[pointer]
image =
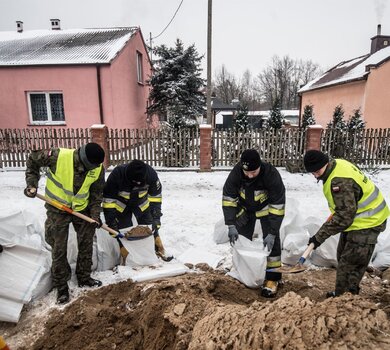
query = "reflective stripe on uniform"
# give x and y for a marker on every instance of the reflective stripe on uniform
(109, 203)
(229, 201)
(260, 196)
(274, 261)
(276, 209)
(262, 212)
(124, 194)
(144, 205)
(155, 199)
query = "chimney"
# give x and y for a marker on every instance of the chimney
(55, 24)
(379, 41)
(19, 26)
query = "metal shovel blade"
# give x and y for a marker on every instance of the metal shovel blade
(289, 269)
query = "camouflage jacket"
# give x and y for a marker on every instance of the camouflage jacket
(48, 159)
(346, 194)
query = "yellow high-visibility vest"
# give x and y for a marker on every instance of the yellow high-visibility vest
(372, 208)
(59, 185)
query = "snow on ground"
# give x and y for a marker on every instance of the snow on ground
(191, 208)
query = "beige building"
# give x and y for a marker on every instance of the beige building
(362, 82)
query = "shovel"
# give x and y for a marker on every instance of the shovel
(124, 252)
(299, 266)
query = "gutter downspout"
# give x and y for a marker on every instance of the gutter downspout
(99, 86)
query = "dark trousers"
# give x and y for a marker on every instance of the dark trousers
(56, 235)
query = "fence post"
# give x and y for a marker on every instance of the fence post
(99, 135)
(313, 137)
(205, 147)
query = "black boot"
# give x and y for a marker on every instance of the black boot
(62, 295)
(331, 294)
(90, 282)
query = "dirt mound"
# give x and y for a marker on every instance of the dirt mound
(209, 310)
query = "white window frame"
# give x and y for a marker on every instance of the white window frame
(49, 120)
(140, 68)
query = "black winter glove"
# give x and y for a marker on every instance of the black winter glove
(314, 241)
(30, 191)
(233, 234)
(1, 248)
(97, 224)
(269, 241)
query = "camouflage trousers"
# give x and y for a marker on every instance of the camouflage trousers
(56, 235)
(354, 252)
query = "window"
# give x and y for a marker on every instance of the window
(46, 107)
(140, 73)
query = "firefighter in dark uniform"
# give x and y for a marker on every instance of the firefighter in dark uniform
(75, 178)
(134, 188)
(359, 213)
(255, 190)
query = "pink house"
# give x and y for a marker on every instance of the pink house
(74, 78)
(361, 82)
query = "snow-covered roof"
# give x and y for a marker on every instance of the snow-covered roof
(348, 71)
(72, 46)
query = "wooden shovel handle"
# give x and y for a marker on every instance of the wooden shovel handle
(306, 253)
(60, 206)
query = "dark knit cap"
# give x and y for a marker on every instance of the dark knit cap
(136, 171)
(314, 160)
(250, 160)
(91, 155)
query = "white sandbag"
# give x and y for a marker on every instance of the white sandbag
(141, 274)
(381, 255)
(141, 251)
(198, 255)
(10, 310)
(221, 232)
(107, 251)
(326, 254)
(28, 264)
(293, 247)
(249, 262)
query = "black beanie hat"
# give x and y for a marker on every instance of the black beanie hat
(136, 171)
(250, 160)
(91, 155)
(314, 160)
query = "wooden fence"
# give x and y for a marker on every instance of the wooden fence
(16, 144)
(274, 146)
(157, 147)
(367, 147)
(171, 148)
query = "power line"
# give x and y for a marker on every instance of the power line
(169, 21)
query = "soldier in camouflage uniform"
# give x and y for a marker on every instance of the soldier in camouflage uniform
(359, 213)
(75, 178)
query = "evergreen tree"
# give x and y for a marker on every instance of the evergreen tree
(338, 121)
(308, 116)
(176, 85)
(276, 117)
(355, 122)
(241, 120)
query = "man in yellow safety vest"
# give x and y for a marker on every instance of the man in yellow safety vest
(75, 178)
(359, 213)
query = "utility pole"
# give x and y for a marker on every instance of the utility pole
(208, 96)
(150, 45)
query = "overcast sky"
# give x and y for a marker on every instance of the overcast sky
(246, 33)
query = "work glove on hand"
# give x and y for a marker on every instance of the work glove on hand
(97, 224)
(269, 241)
(30, 191)
(233, 234)
(314, 241)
